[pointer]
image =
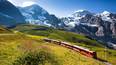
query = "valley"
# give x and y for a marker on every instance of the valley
(31, 34)
(17, 47)
(103, 52)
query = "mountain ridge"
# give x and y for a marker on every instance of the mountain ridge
(9, 11)
(35, 14)
(100, 26)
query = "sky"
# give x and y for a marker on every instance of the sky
(66, 7)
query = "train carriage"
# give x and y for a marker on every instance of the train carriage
(76, 48)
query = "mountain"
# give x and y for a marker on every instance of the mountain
(100, 26)
(9, 14)
(35, 14)
(107, 16)
(80, 13)
(6, 20)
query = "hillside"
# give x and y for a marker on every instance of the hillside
(57, 34)
(102, 52)
(19, 49)
(4, 30)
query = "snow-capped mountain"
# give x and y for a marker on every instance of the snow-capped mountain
(79, 17)
(107, 16)
(9, 14)
(80, 14)
(75, 18)
(35, 14)
(100, 26)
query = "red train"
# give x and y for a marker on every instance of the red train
(79, 49)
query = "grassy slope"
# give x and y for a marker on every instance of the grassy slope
(105, 54)
(18, 49)
(4, 30)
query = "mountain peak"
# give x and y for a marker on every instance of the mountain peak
(105, 16)
(35, 5)
(106, 13)
(36, 9)
(81, 13)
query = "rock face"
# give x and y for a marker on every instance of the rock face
(35, 14)
(113, 28)
(100, 26)
(9, 13)
(100, 31)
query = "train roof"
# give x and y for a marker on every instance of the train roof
(71, 45)
(82, 48)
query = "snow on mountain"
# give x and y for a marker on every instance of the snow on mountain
(80, 14)
(76, 18)
(105, 13)
(105, 16)
(81, 21)
(91, 25)
(89, 19)
(94, 25)
(35, 14)
(70, 21)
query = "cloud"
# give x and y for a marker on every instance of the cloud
(22, 3)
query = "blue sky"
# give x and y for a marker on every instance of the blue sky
(67, 7)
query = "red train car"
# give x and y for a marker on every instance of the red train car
(76, 48)
(85, 51)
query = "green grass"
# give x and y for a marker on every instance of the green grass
(56, 34)
(21, 49)
(73, 38)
